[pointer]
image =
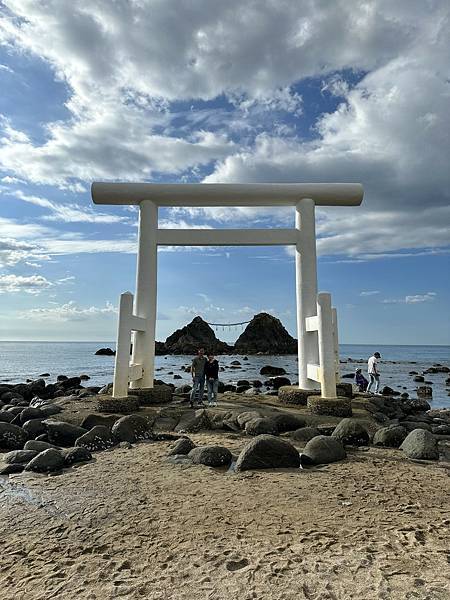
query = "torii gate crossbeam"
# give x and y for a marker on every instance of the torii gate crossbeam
(316, 320)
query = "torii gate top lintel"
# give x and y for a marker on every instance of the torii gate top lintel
(228, 194)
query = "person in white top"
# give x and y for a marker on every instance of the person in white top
(374, 373)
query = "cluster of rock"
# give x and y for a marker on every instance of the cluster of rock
(264, 334)
(46, 445)
(409, 413)
(21, 394)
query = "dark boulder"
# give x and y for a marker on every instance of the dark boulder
(98, 438)
(388, 391)
(240, 389)
(133, 428)
(8, 397)
(38, 445)
(182, 389)
(441, 429)
(268, 452)
(265, 334)
(12, 437)
(210, 456)
(420, 444)
(271, 370)
(288, 422)
(277, 382)
(21, 457)
(35, 427)
(249, 415)
(10, 469)
(437, 369)
(191, 422)
(75, 455)
(91, 421)
(425, 391)
(70, 383)
(197, 334)
(411, 425)
(350, 432)
(46, 461)
(31, 413)
(105, 352)
(323, 450)
(304, 434)
(390, 437)
(260, 426)
(6, 416)
(419, 378)
(344, 390)
(62, 433)
(49, 410)
(229, 387)
(182, 446)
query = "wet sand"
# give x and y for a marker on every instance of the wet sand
(132, 525)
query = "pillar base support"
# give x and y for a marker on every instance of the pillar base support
(291, 394)
(336, 407)
(122, 405)
(159, 394)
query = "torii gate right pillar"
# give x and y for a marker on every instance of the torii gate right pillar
(306, 289)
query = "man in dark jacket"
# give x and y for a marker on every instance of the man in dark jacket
(212, 379)
(198, 376)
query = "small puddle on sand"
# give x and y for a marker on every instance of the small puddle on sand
(16, 491)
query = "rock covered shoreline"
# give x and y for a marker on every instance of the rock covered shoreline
(47, 427)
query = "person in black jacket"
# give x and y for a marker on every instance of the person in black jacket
(212, 379)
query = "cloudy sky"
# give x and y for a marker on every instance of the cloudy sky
(235, 91)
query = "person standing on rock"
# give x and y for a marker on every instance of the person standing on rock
(212, 379)
(198, 376)
(374, 373)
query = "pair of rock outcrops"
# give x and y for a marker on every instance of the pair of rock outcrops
(264, 334)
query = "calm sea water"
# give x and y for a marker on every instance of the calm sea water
(22, 360)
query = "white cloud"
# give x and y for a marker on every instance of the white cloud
(69, 312)
(414, 299)
(33, 284)
(369, 293)
(13, 252)
(6, 69)
(389, 132)
(69, 213)
(112, 143)
(428, 297)
(7, 179)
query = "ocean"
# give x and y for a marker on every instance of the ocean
(22, 360)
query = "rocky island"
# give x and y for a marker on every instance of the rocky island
(264, 334)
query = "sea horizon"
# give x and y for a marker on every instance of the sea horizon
(21, 360)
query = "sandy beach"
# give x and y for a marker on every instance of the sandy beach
(131, 524)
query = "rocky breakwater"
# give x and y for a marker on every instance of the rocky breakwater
(265, 334)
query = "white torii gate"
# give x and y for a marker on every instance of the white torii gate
(318, 359)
